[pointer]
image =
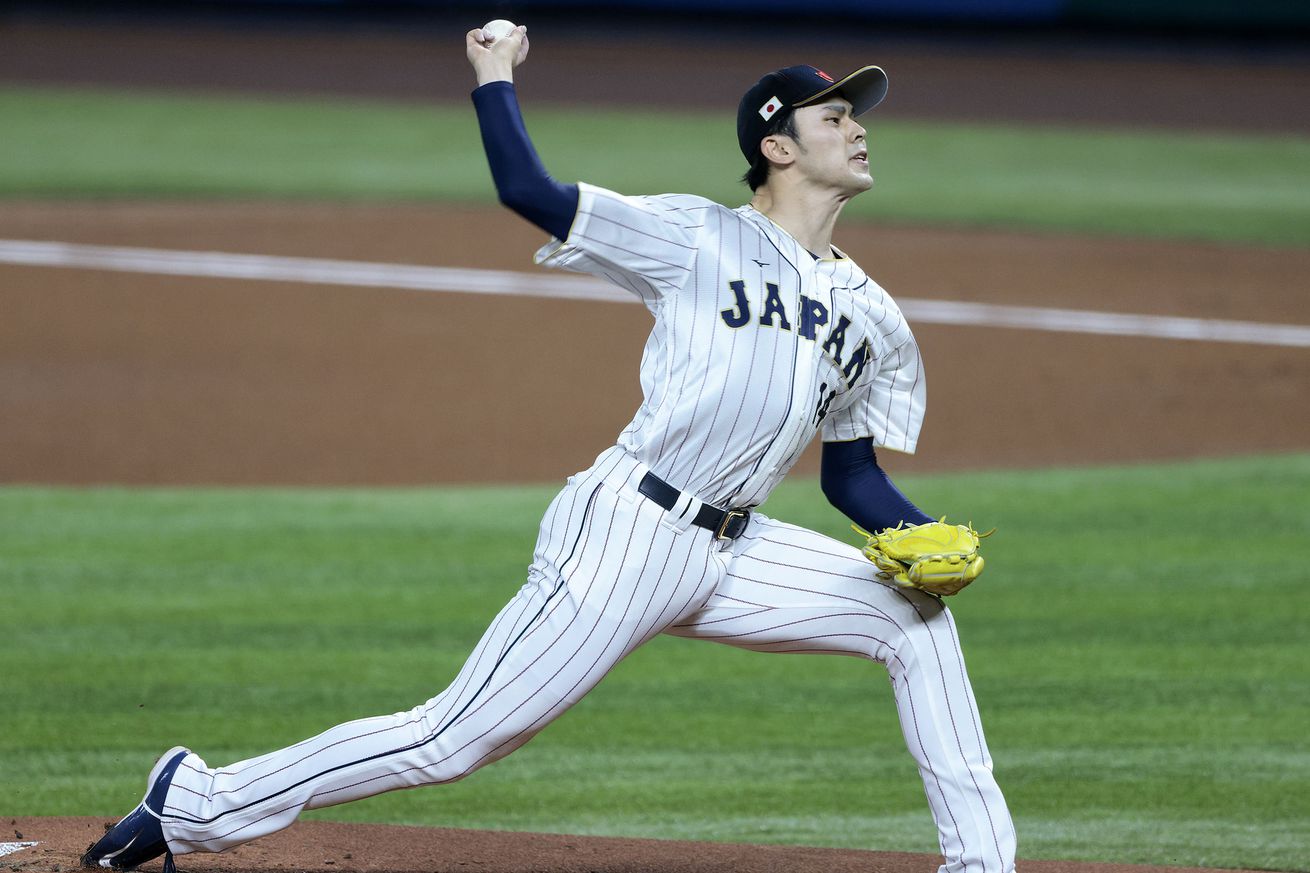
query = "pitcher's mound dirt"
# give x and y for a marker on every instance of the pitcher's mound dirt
(326, 847)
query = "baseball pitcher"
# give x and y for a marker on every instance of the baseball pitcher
(763, 336)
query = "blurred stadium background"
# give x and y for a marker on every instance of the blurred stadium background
(282, 128)
(239, 245)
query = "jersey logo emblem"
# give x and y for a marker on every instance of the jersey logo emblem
(813, 315)
(770, 109)
(761, 263)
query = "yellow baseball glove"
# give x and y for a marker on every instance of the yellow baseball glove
(937, 557)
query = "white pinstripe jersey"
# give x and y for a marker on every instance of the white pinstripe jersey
(757, 346)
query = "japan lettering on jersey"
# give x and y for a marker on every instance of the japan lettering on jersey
(757, 345)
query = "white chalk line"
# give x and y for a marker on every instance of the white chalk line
(10, 848)
(323, 271)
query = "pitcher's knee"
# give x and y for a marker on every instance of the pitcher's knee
(872, 636)
(897, 635)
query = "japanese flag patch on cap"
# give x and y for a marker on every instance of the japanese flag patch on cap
(802, 85)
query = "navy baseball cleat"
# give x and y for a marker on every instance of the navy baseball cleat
(139, 837)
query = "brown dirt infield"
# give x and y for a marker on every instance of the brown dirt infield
(128, 378)
(147, 379)
(324, 847)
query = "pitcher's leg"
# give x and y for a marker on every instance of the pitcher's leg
(791, 590)
(209, 810)
(946, 739)
(614, 580)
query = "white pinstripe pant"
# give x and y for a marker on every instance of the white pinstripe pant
(610, 572)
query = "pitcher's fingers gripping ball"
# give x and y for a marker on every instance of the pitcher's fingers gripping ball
(494, 30)
(498, 38)
(937, 558)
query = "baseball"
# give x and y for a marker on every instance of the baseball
(494, 30)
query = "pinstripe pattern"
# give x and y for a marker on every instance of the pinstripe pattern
(790, 590)
(727, 410)
(609, 574)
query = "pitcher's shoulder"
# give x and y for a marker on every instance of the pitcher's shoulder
(684, 202)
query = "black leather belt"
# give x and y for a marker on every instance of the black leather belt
(727, 524)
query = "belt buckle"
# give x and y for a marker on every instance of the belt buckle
(722, 533)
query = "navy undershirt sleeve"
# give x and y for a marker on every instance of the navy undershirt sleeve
(854, 483)
(521, 180)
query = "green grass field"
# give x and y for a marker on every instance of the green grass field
(71, 143)
(1138, 646)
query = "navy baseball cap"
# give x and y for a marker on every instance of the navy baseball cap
(793, 87)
